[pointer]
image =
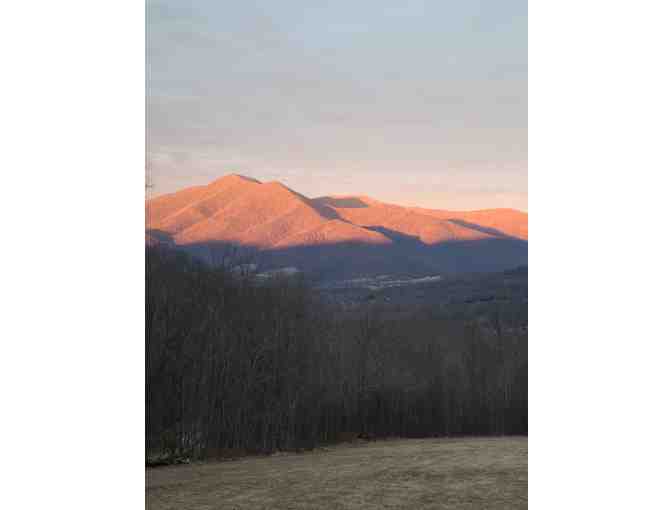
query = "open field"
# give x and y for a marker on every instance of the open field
(482, 473)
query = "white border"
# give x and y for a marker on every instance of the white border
(600, 257)
(72, 160)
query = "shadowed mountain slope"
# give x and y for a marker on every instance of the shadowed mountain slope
(503, 221)
(427, 228)
(333, 236)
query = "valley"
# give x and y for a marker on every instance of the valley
(475, 289)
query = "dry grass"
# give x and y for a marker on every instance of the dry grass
(410, 474)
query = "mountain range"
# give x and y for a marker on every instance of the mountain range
(332, 237)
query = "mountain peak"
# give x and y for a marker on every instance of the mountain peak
(348, 234)
(230, 178)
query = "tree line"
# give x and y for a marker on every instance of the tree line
(236, 365)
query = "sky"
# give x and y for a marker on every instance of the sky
(411, 102)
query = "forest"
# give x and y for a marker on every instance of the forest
(235, 365)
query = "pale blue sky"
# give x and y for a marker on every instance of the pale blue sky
(413, 102)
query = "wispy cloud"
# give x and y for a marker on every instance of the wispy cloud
(341, 94)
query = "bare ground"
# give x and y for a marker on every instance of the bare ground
(488, 473)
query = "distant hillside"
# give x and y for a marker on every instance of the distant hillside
(505, 221)
(332, 237)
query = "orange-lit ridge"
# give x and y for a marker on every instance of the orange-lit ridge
(270, 215)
